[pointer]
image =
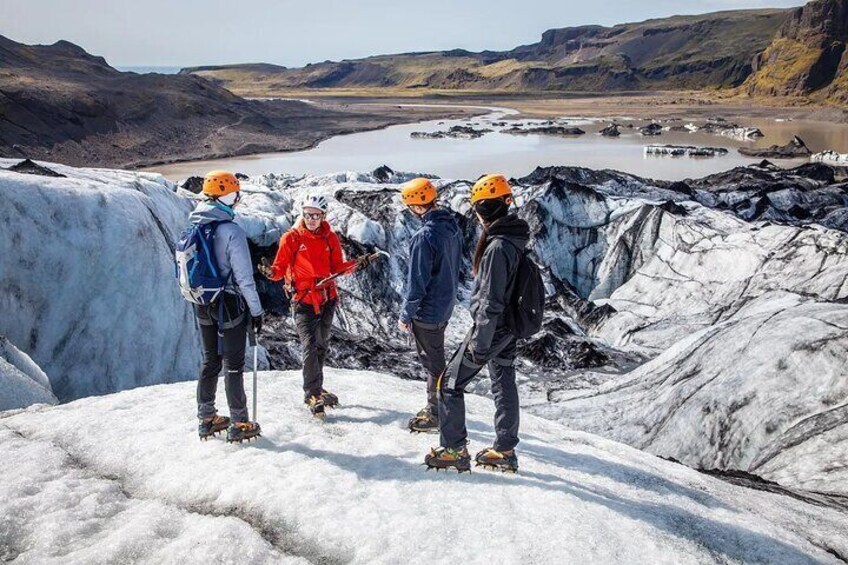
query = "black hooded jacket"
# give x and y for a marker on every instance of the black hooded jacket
(507, 238)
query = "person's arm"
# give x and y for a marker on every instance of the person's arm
(284, 257)
(418, 277)
(337, 262)
(242, 269)
(494, 280)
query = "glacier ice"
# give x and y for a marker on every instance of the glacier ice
(22, 382)
(348, 490)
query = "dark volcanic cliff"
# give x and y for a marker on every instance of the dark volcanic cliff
(807, 55)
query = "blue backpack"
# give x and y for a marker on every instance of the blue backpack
(197, 270)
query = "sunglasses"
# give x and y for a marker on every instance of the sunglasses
(313, 216)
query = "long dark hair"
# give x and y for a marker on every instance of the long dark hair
(480, 249)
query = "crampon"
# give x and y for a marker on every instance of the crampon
(447, 458)
(212, 427)
(243, 431)
(423, 422)
(316, 406)
(490, 458)
(330, 399)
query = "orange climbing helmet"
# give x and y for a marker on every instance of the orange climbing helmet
(489, 187)
(418, 192)
(220, 183)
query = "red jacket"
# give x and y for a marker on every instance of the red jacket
(304, 258)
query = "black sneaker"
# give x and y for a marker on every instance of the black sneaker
(316, 406)
(330, 399)
(492, 459)
(423, 422)
(243, 431)
(447, 458)
(212, 426)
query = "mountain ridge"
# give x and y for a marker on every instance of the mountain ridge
(60, 103)
(700, 51)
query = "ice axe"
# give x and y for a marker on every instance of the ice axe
(371, 257)
(254, 343)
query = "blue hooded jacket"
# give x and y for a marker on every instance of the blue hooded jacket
(231, 252)
(435, 260)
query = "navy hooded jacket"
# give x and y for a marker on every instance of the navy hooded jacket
(435, 259)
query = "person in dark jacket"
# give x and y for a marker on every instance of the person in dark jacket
(435, 259)
(223, 325)
(490, 341)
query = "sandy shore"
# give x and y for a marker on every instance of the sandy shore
(637, 105)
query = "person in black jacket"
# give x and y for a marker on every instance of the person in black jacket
(501, 245)
(435, 259)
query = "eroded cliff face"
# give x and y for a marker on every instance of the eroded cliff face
(808, 54)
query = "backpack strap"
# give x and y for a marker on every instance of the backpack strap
(222, 326)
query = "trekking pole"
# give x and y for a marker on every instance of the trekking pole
(255, 344)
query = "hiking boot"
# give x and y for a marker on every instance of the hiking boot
(212, 426)
(330, 399)
(490, 458)
(448, 458)
(241, 431)
(424, 422)
(316, 406)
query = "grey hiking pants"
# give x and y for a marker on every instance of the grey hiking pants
(314, 332)
(230, 357)
(459, 374)
(430, 345)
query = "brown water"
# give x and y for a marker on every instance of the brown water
(518, 155)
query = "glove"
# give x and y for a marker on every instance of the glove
(256, 321)
(363, 261)
(265, 269)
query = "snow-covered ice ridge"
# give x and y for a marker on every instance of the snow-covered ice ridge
(709, 279)
(353, 490)
(22, 382)
(86, 279)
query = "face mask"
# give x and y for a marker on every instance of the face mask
(491, 210)
(230, 199)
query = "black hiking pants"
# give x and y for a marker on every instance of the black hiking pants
(430, 345)
(459, 374)
(226, 353)
(314, 332)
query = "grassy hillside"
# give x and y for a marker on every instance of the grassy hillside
(808, 55)
(681, 52)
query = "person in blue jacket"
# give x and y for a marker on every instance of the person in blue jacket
(223, 325)
(435, 260)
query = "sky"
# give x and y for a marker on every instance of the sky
(293, 33)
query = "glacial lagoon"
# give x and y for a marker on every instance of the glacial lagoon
(518, 155)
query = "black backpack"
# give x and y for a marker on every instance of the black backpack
(527, 305)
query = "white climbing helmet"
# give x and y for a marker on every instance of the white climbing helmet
(315, 201)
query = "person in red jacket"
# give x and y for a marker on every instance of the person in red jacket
(309, 253)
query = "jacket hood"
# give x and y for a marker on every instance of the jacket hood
(437, 215)
(208, 212)
(511, 227)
